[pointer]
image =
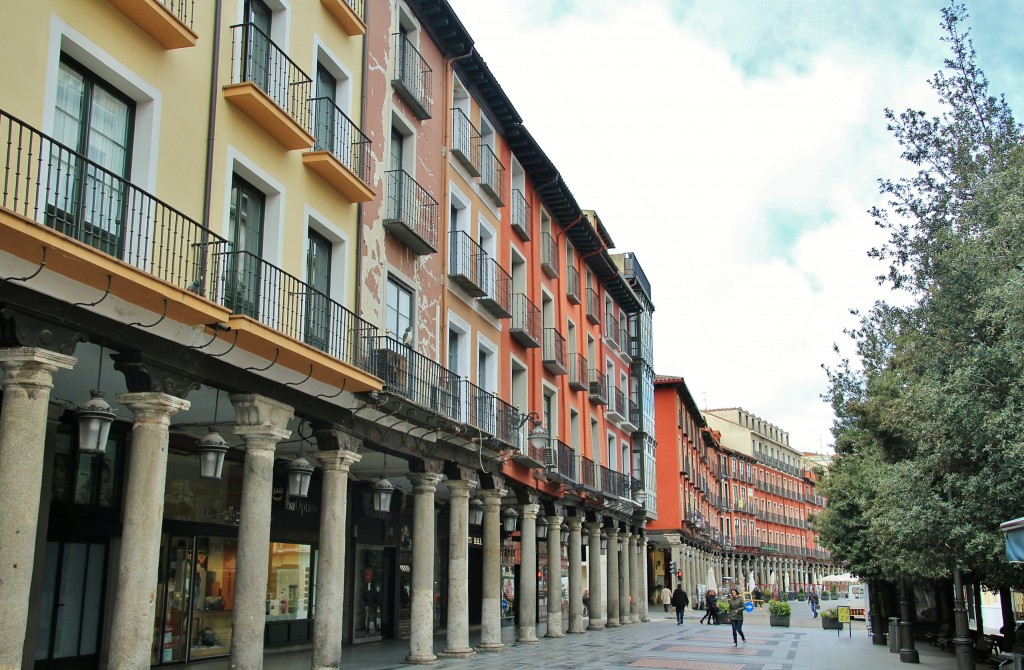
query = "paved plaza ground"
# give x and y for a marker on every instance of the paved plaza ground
(658, 644)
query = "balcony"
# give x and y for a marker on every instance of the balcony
(349, 14)
(587, 474)
(342, 152)
(492, 175)
(611, 330)
(572, 284)
(624, 339)
(411, 214)
(565, 469)
(412, 78)
(169, 22)
(630, 416)
(465, 142)
(579, 379)
(269, 87)
(616, 410)
(497, 285)
(598, 387)
(554, 352)
(101, 230)
(413, 376)
(525, 321)
(593, 307)
(613, 483)
(465, 258)
(549, 255)
(522, 215)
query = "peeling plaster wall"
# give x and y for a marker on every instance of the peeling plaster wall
(382, 253)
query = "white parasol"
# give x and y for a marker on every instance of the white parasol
(751, 584)
(712, 584)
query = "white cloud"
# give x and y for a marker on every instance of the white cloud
(743, 190)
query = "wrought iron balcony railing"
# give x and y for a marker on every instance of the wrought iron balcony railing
(465, 260)
(579, 379)
(623, 339)
(525, 321)
(554, 352)
(572, 284)
(497, 287)
(183, 10)
(588, 476)
(593, 307)
(481, 409)
(614, 483)
(411, 214)
(413, 376)
(548, 255)
(566, 461)
(492, 175)
(255, 288)
(598, 387)
(338, 134)
(611, 329)
(522, 215)
(46, 182)
(465, 142)
(412, 77)
(616, 404)
(256, 59)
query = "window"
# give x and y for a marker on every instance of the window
(97, 122)
(244, 270)
(318, 276)
(398, 313)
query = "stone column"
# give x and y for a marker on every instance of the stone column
(613, 577)
(262, 423)
(633, 583)
(527, 596)
(575, 523)
(624, 600)
(643, 570)
(458, 571)
(139, 567)
(27, 381)
(594, 567)
(554, 577)
(490, 610)
(421, 639)
(328, 625)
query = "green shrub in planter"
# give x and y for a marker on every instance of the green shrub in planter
(779, 608)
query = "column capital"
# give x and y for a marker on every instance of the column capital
(336, 439)
(153, 404)
(593, 526)
(554, 523)
(530, 510)
(491, 496)
(424, 482)
(31, 367)
(574, 522)
(612, 532)
(337, 460)
(260, 420)
(459, 487)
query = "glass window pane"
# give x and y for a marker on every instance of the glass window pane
(288, 581)
(89, 640)
(69, 608)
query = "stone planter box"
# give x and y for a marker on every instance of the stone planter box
(723, 618)
(779, 621)
(830, 623)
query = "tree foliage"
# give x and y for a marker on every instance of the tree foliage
(929, 432)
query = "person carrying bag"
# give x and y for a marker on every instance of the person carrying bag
(680, 601)
(736, 608)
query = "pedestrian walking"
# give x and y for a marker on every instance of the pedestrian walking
(813, 599)
(586, 602)
(710, 608)
(665, 595)
(680, 601)
(736, 608)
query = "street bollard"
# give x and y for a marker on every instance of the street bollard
(894, 635)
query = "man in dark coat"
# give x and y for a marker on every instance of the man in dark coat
(680, 601)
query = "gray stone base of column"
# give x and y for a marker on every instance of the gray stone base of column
(909, 656)
(458, 653)
(427, 659)
(645, 619)
(491, 647)
(612, 624)
(527, 640)
(596, 626)
(576, 632)
(557, 635)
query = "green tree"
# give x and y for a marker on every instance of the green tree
(932, 406)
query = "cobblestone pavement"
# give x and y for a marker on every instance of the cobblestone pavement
(657, 644)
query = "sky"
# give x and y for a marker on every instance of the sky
(735, 147)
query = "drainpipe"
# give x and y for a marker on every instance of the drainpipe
(357, 304)
(211, 130)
